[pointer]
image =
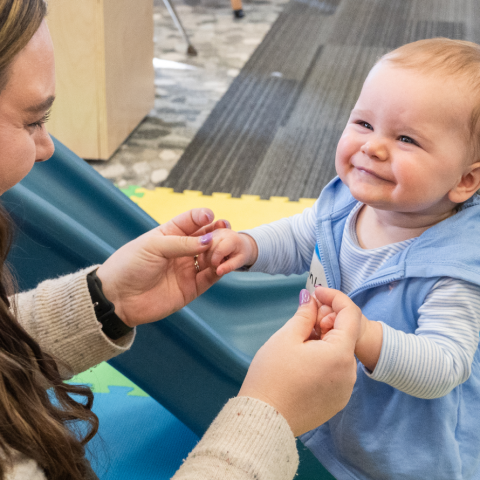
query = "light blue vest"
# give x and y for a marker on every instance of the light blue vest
(384, 433)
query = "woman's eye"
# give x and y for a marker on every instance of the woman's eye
(40, 122)
(405, 139)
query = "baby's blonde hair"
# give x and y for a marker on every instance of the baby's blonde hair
(453, 58)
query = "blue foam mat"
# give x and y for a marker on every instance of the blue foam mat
(138, 438)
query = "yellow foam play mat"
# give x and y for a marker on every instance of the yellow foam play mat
(245, 212)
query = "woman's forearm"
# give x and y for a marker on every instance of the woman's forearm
(249, 439)
(59, 315)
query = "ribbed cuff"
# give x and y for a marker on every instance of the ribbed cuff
(386, 365)
(264, 244)
(66, 324)
(248, 439)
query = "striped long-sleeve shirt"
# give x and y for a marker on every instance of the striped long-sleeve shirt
(427, 364)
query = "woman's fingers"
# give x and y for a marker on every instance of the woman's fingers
(300, 326)
(173, 246)
(306, 381)
(348, 315)
(205, 279)
(332, 298)
(188, 223)
(212, 227)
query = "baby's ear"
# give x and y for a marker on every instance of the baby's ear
(468, 184)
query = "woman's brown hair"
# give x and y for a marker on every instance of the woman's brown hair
(38, 416)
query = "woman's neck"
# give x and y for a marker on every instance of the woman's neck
(376, 228)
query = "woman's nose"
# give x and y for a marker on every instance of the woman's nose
(375, 149)
(44, 146)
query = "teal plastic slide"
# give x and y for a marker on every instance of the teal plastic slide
(69, 217)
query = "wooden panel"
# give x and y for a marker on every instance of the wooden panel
(128, 66)
(74, 119)
(103, 51)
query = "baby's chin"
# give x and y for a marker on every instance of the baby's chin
(368, 197)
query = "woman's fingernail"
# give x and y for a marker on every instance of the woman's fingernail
(227, 224)
(304, 297)
(209, 215)
(318, 285)
(206, 239)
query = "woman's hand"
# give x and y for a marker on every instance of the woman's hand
(155, 275)
(308, 381)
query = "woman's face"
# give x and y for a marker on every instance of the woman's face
(24, 106)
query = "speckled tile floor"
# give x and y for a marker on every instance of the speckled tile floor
(185, 97)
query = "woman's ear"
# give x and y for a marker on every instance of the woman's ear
(467, 186)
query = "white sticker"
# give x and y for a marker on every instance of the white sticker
(316, 275)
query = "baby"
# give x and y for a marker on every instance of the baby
(398, 231)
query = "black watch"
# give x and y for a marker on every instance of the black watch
(112, 326)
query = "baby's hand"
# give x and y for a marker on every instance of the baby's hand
(325, 320)
(370, 334)
(231, 250)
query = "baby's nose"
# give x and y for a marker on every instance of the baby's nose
(375, 149)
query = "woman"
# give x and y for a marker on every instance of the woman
(39, 434)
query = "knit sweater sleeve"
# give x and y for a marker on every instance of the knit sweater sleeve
(59, 315)
(248, 440)
(286, 246)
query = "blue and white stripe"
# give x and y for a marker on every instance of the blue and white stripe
(438, 357)
(286, 246)
(427, 364)
(358, 264)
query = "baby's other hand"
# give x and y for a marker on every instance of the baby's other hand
(230, 250)
(325, 320)
(329, 300)
(370, 333)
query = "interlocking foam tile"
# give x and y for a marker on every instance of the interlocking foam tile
(246, 212)
(137, 439)
(103, 376)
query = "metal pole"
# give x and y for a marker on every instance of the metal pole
(171, 10)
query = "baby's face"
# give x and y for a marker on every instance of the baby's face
(406, 143)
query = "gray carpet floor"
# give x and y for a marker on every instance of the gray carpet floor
(275, 131)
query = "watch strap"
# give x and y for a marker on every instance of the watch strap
(111, 323)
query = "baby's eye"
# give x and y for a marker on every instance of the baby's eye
(364, 124)
(405, 139)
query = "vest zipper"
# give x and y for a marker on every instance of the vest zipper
(374, 284)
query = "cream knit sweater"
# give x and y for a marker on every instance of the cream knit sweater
(248, 440)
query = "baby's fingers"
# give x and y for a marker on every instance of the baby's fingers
(322, 312)
(327, 323)
(227, 251)
(230, 264)
(222, 249)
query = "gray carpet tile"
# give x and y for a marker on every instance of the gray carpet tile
(275, 131)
